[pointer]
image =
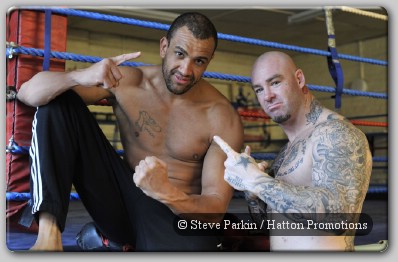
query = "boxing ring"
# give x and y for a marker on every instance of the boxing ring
(26, 56)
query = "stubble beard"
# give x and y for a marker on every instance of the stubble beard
(281, 119)
(169, 83)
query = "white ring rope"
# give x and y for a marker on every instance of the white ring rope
(362, 12)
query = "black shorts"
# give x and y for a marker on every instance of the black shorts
(68, 147)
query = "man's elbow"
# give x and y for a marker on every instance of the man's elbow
(27, 98)
(218, 213)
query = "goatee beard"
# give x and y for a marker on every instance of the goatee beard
(281, 119)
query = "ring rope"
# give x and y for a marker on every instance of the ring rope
(363, 13)
(93, 59)
(348, 91)
(368, 123)
(228, 37)
(16, 196)
(10, 51)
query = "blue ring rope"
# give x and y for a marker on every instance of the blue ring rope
(228, 37)
(17, 196)
(215, 75)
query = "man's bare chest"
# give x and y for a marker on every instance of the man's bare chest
(181, 135)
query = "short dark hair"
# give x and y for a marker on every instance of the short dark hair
(200, 26)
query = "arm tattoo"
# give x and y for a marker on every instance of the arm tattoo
(257, 209)
(340, 174)
(342, 163)
(147, 123)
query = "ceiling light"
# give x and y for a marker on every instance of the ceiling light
(304, 16)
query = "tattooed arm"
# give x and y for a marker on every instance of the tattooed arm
(341, 168)
(340, 173)
(257, 208)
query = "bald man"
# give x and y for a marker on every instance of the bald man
(324, 168)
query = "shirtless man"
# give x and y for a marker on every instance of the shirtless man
(324, 168)
(167, 116)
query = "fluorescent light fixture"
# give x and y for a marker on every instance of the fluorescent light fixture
(304, 16)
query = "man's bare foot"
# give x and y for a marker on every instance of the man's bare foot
(49, 237)
(45, 247)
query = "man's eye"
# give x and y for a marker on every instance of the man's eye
(258, 90)
(275, 83)
(200, 62)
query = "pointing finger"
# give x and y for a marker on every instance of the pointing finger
(125, 57)
(224, 146)
(248, 150)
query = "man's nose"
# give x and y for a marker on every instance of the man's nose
(268, 94)
(186, 68)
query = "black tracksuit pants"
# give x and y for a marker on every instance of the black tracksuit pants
(68, 147)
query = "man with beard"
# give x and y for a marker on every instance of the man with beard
(171, 168)
(324, 169)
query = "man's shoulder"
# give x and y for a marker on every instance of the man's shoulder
(147, 69)
(135, 77)
(335, 120)
(220, 105)
(339, 128)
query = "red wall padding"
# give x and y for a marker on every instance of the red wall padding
(26, 28)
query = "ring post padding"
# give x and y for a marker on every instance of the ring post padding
(25, 28)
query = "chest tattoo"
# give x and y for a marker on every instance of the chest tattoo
(292, 158)
(146, 123)
(277, 162)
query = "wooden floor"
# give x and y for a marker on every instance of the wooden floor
(17, 241)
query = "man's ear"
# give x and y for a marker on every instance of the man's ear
(300, 78)
(163, 46)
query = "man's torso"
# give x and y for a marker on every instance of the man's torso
(178, 131)
(294, 165)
